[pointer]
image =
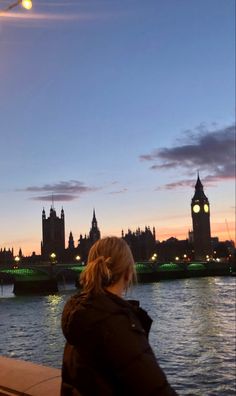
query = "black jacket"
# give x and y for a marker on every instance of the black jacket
(107, 351)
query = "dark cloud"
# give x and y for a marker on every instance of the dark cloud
(61, 191)
(178, 184)
(72, 187)
(211, 152)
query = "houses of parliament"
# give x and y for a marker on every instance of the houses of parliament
(199, 246)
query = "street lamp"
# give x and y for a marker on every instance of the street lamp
(17, 260)
(154, 257)
(53, 258)
(27, 4)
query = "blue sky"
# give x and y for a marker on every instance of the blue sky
(116, 105)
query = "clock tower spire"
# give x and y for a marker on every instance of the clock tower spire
(200, 210)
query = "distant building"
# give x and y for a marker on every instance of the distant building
(53, 230)
(142, 243)
(71, 244)
(200, 210)
(94, 233)
(6, 256)
(86, 242)
(223, 250)
(173, 250)
(80, 252)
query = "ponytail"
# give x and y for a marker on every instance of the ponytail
(109, 258)
(96, 275)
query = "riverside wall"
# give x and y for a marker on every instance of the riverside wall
(21, 378)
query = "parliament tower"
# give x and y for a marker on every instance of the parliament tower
(200, 209)
(53, 230)
(94, 233)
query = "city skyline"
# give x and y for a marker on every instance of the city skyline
(116, 108)
(59, 209)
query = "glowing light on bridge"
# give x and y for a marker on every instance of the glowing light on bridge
(27, 4)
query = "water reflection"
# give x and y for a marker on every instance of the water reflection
(54, 299)
(193, 332)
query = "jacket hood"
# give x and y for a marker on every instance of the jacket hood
(81, 313)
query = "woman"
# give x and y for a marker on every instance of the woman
(107, 351)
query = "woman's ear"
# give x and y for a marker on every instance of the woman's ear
(128, 275)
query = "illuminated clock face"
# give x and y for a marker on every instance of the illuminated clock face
(196, 208)
(206, 208)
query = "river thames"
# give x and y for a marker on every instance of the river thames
(193, 331)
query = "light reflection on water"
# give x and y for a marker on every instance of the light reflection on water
(193, 332)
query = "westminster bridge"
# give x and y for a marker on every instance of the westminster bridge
(44, 277)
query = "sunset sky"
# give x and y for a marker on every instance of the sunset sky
(116, 105)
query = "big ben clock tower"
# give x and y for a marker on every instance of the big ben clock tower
(200, 209)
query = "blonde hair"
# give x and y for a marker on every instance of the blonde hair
(109, 258)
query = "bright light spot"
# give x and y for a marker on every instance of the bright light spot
(177, 258)
(78, 258)
(54, 299)
(196, 208)
(27, 4)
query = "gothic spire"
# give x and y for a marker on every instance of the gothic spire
(199, 192)
(198, 185)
